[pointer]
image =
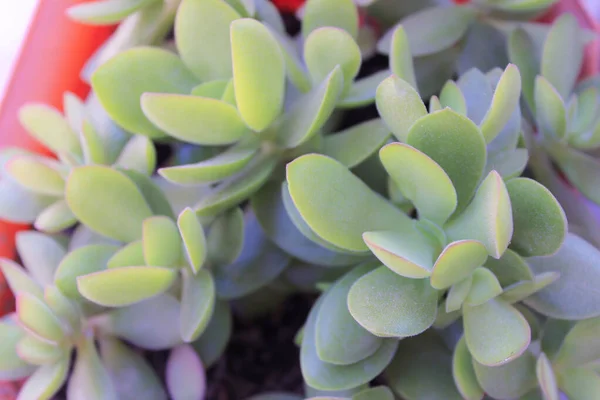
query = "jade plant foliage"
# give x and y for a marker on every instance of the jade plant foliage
(214, 172)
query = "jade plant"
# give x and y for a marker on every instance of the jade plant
(215, 172)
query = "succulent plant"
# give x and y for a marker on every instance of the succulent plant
(212, 175)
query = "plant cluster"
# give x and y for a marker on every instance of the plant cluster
(437, 267)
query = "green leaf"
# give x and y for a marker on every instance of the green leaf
(213, 169)
(505, 100)
(74, 110)
(324, 376)
(310, 111)
(509, 164)
(546, 378)
(259, 263)
(563, 54)
(212, 89)
(332, 201)
(395, 94)
(161, 242)
(401, 62)
(363, 91)
(327, 47)
(128, 255)
(478, 93)
(390, 305)
(341, 14)
(434, 104)
(194, 241)
(421, 369)
(215, 337)
(105, 12)
(36, 317)
(36, 174)
(354, 145)
(540, 224)
(237, 188)
(47, 124)
(90, 379)
(18, 280)
(553, 334)
(464, 373)
(38, 352)
(550, 109)
(46, 381)
(498, 323)
(510, 380)
(457, 295)
(107, 201)
(79, 262)
(433, 29)
(225, 239)
(152, 324)
(12, 366)
(510, 268)
(155, 196)
(55, 218)
(193, 119)
(579, 383)
(488, 218)
(185, 375)
(258, 73)
(565, 299)
(118, 287)
(202, 28)
(268, 13)
(521, 52)
(452, 97)
(455, 144)
(40, 254)
(20, 205)
(271, 213)
(122, 102)
(197, 303)
(339, 339)
(485, 286)
(408, 167)
(457, 262)
(295, 68)
(138, 154)
(131, 375)
(374, 393)
(580, 346)
(91, 144)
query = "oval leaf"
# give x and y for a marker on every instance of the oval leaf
(464, 373)
(197, 303)
(46, 381)
(192, 235)
(510, 380)
(336, 13)
(457, 262)
(161, 242)
(38, 318)
(186, 378)
(89, 379)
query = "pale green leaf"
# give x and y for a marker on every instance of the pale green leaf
(36, 174)
(457, 295)
(18, 280)
(46, 381)
(155, 196)
(48, 125)
(214, 339)
(212, 89)
(341, 14)
(193, 238)
(580, 346)
(55, 218)
(550, 109)
(457, 262)
(546, 378)
(401, 62)
(579, 383)
(510, 268)
(522, 53)
(39, 352)
(105, 12)
(40, 255)
(464, 373)
(509, 164)
(185, 375)
(12, 367)
(225, 239)
(90, 379)
(197, 303)
(363, 91)
(478, 93)
(484, 287)
(128, 255)
(138, 154)
(374, 393)
(510, 380)
(91, 144)
(161, 242)
(20, 205)
(36, 317)
(452, 97)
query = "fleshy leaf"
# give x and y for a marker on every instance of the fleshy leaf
(131, 254)
(546, 378)
(549, 109)
(197, 303)
(55, 218)
(509, 164)
(478, 93)
(225, 238)
(363, 90)
(105, 12)
(580, 346)
(510, 268)
(161, 242)
(354, 145)
(193, 119)
(155, 196)
(18, 280)
(495, 319)
(452, 97)
(11, 365)
(138, 154)
(579, 383)
(118, 287)
(194, 240)
(48, 125)
(327, 47)
(36, 174)
(455, 144)
(464, 373)
(38, 318)
(395, 94)
(408, 168)
(341, 14)
(324, 376)
(258, 73)
(374, 393)
(201, 28)
(122, 102)
(485, 286)
(488, 218)
(521, 290)
(131, 375)
(78, 262)
(20, 205)
(567, 298)
(457, 294)
(421, 369)
(310, 112)
(212, 89)
(107, 201)
(152, 324)
(40, 254)
(90, 379)
(259, 263)
(339, 339)
(510, 380)
(39, 352)
(522, 53)
(390, 305)
(332, 200)
(215, 337)
(46, 381)
(186, 378)
(401, 62)
(66, 310)
(456, 262)
(91, 144)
